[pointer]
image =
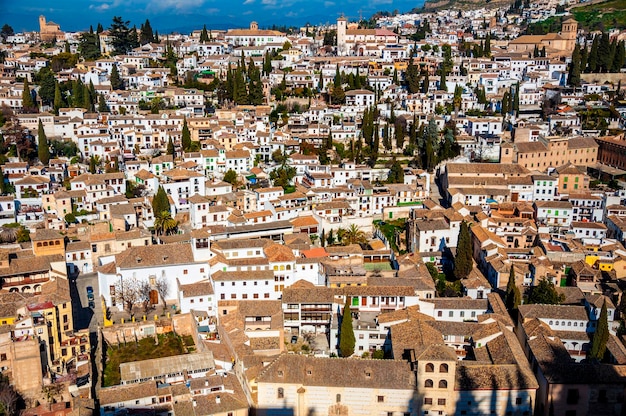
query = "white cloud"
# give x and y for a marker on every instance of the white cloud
(190, 6)
(269, 2)
(329, 3)
(248, 2)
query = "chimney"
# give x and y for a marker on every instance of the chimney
(194, 403)
(217, 399)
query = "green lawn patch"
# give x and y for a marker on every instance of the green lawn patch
(169, 345)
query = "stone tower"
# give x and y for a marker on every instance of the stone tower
(569, 32)
(342, 27)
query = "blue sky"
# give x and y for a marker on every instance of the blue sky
(185, 15)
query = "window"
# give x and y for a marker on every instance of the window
(428, 383)
(281, 393)
(441, 402)
(430, 368)
(338, 398)
(428, 400)
(380, 399)
(518, 400)
(443, 368)
(443, 384)
(572, 396)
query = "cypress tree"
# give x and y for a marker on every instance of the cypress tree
(573, 77)
(116, 80)
(43, 150)
(592, 60)
(102, 105)
(347, 340)
(170, 147)
(513, 296)
(443, 82)
(601, 336)
(146, 33)
(28, 105)
(58, 98)
(185, 137)
(204, 35)
(160, 202)
(463, 260)
(619, 56)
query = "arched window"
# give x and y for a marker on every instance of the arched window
(443, 368)
(338, 398)
(430, 368)
(289, 267)
(443, 384)
(282, 267)
(281, 393)
(428, 383)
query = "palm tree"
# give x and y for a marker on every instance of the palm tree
(354, 235)
(165, 224)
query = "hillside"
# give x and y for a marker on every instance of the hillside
(464, 4)
(601, 16)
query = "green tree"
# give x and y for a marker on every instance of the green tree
(347, 340)
(204, 35)
(231, 177)
(88, 46)
(353, 235)
(283, 175)
(545, 293)
(160, 202)
(601, 336)
(47, 82)
(42, 145)
(116, 80)
(463, 261)
(121, 36)
(330, 239)
(171, 150)
(23, 235)
(186, 137)
(432, 270)
(28, 105)
(412, 77)
(396, 172)
(6, 31)
(102, 104)
(337, 95)
(573, 78)
(513, 296)
(165, 224)
(146, 33)
(58, 99)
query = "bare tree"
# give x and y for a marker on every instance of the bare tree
(144, 290)
(9, 398)
(127, 293)
(163, 287)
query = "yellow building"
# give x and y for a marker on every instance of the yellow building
(48, 242)
(555, 43)
(49, 31)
